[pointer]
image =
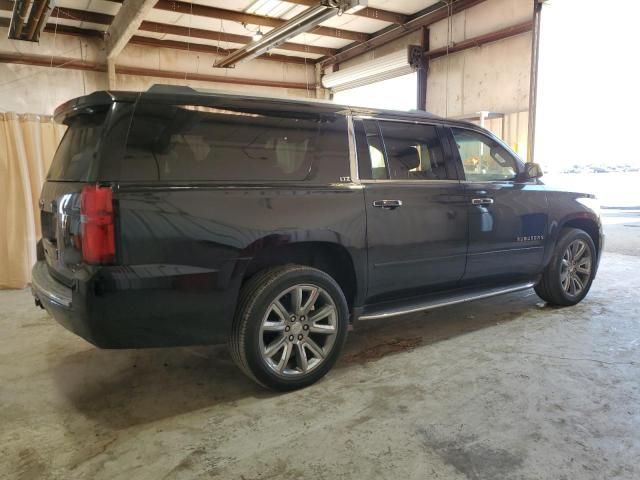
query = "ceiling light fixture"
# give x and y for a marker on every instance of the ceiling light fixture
(303, 22)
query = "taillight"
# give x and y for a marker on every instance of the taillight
(96, 210)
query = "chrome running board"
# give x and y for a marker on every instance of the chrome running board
(418, 305)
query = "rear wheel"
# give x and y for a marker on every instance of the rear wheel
(290, 326)
(568, 277)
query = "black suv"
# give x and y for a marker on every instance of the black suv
(176, 217)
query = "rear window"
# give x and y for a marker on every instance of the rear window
(209, 144)
(78, 150)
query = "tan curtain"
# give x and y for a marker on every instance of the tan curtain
(27, 145)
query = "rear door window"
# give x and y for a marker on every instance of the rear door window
(414, 152)
(184, 143)
(401, 151)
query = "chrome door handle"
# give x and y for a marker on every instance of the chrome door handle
(388, 204)
(481, 201)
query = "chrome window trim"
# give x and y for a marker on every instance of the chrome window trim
(427, 121)
(409, 181)
(488, 181)
(353, 151)
(395, 180)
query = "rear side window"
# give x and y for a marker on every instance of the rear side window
(207, 144)
(75, 158)
(414, 152)
(406, 151)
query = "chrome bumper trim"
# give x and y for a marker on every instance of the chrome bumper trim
(44, 285)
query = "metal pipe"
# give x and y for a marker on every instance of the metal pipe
(22, 15)
(298, 24)
(35, 18)
(41, 23)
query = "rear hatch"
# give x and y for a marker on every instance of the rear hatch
(96, 127)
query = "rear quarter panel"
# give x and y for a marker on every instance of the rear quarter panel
(189, 246)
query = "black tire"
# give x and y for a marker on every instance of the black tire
(550, 288)
(246, 339)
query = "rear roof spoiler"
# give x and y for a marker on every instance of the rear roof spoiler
(89, 102)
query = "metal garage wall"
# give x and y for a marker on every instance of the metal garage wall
(35, 89)
(493, 77)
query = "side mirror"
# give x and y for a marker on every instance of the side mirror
(531, 171)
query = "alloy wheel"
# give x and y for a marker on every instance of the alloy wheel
(575, 270)
(298, 330)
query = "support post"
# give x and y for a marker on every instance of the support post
(423, 70)
(124, 25)
(321, 92)
(111, 73)
(533, 80)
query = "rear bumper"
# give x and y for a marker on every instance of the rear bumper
(57, 299)
(117, 307)
(46, 288)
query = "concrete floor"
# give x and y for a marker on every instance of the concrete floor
(504, 388)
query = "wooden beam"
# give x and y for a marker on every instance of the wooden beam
(481, 39)
(242, 17)
(51, 62)
(75, 64)
(81, 15)
(125, 24)
(436, 12)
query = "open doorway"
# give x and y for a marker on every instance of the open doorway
(398, 93)
(587, 102)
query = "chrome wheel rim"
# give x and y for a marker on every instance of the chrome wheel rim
(298, 330)
(575, 271)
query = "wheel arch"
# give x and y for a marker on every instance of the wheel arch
(331, 257)
(589, 225)
(586, 222)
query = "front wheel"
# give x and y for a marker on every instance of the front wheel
(568, 277)
(290, 325)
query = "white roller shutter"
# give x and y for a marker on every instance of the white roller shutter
(388, 66)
